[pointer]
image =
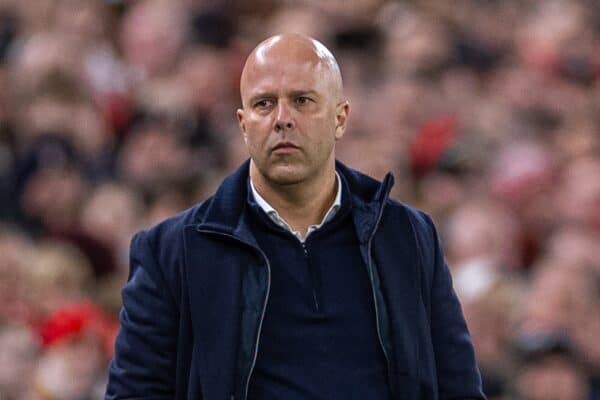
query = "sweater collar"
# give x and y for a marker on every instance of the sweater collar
(226, 210)
(278, 220)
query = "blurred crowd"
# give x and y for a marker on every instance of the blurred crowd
(117, 114)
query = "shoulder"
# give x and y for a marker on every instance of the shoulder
(169, 231)
(420, 226)
(419, 221)
(160, 248)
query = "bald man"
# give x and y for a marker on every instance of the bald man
(299, 278)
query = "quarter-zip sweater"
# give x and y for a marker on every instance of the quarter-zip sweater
(319, 337)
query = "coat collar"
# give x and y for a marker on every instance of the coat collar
(226, 209)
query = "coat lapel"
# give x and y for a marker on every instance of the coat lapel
(397, 261)
(396, 277)
(214, 282)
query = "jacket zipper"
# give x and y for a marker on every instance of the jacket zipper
(312, 274)
(262, 317)
(369, 245)
(264, 309)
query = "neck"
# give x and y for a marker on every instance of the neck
(301, 204)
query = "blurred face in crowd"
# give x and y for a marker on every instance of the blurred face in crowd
(152, 158)
(70, 370)
(18, 355)
(552, 377)
(152, 34)
(492, 237)
(293, 111)
(58, 273)
(54, 196)
(111, 212)
(557, 297)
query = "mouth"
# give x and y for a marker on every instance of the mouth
(285, 147)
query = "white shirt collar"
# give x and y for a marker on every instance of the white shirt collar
(275, 217)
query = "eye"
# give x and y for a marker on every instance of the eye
(263, 104)
(303, 100)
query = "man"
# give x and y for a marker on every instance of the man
(299, 278)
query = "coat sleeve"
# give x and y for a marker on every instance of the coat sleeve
(457, 373)
(145, 352)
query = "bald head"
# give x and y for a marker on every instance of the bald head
(296, 49)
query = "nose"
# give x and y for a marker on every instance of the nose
(284, 120)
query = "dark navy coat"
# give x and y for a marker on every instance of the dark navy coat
(198, 289)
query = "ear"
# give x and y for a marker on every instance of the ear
(240, 117)
(341, 118)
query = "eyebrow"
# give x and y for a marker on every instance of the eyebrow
(293, 93)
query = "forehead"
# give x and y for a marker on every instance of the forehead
(278, 75)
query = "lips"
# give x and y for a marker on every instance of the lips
(285, 146)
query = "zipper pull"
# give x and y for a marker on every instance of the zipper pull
(315, 300)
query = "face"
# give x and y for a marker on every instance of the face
(552, 377)
(292, 115)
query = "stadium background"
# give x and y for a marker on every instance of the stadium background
(116, 114)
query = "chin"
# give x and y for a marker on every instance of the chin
(286, 175)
